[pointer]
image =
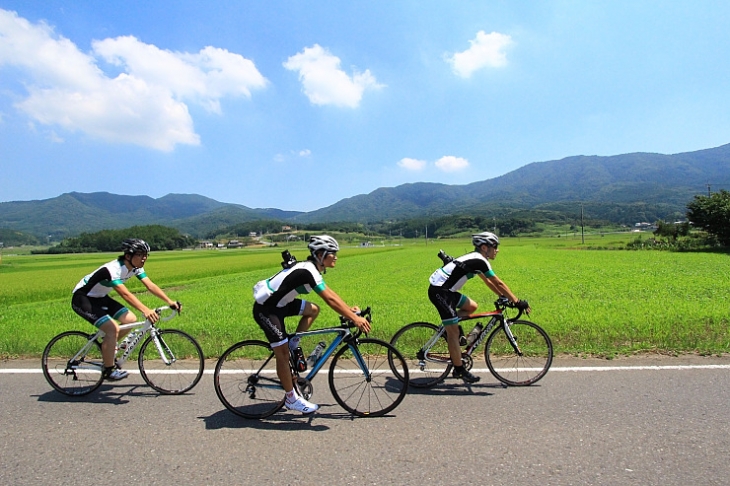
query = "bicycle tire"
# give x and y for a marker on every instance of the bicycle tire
(409, 341)
(72, 379)
(378, 392)
(514, 369)
(246, 382)
(182, 367)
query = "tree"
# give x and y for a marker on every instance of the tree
(712, 214)
(671, 230)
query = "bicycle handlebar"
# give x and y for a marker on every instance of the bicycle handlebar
(345, 322)
(503, 303)
(160, 310)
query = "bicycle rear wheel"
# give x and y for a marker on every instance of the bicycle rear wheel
(174, 367)
(73, 377)
(425, 371)
(368, 378)
(245, 380)
(526, 367)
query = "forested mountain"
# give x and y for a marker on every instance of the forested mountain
(623, 189)
(74, 213)
(619, 188)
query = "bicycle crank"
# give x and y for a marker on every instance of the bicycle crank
(305, 387)
(466, 361)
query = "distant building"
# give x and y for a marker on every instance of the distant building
(235, 244)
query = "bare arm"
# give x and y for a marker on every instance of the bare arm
(338, 305)
(124, 293)
(499, 287)
(157, 291)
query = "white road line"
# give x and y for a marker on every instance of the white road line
(554, 369)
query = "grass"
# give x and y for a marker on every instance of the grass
(602, 303)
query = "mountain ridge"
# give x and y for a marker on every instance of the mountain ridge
(617, 188)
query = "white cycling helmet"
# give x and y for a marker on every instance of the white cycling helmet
(323, 242)
(135, 245)
(485, 238)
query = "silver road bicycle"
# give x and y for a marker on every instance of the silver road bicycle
(170, 361)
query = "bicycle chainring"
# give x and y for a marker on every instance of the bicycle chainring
(467, 361)
(305, 387)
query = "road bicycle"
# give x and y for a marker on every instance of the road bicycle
(170, 361)
(517, 352)
(367, 377)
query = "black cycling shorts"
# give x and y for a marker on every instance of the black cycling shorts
(271, 320)
(446, 302)
(97, 310)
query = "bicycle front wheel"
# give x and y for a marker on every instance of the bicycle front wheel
(523, 366)
(69, 371)
(172, 363)
(368, 378)
(246, 382)
(427, 367)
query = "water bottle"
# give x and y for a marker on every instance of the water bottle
(316, 353)
(130, 340)
(474, 334)
(125, 342)
(299, 363)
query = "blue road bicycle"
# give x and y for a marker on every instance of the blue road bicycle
(367, 377)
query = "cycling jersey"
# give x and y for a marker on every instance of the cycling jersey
(455, 274)
(283, 288)
(103, 280)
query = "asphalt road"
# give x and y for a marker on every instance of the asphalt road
(622, 422)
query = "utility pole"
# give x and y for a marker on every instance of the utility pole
(708, 190)
(582, 237)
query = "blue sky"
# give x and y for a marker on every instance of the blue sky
(297, 105)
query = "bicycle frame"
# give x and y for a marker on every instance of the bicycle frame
(343, 335)
(147, 327)
(496, 317)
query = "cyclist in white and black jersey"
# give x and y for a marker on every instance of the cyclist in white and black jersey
(276, 298)
(91, 299)
(447, 281)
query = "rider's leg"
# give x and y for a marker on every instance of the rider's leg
(452, 339)
(467, 307)
(126, 318)
(282, 367)
(309, 314)
(293, 400)
(109, 343)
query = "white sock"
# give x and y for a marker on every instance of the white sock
(291, 396)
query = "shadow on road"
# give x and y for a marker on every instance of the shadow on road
(457, 388)
(117, 394)
(283, 419)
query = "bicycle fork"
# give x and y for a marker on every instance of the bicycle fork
(361, 362)
(510, 337)
(165, 353)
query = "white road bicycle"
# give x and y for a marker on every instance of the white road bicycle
(170, 361)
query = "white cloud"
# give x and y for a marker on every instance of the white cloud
(324, 83)
(487, 50)
(144, 105)
(411, 164)
(305, 153)
(449, 163)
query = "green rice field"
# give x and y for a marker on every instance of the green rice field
(592, 300)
